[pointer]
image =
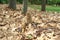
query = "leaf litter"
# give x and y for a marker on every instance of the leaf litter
(35, 25)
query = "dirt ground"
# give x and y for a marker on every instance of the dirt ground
(15, 26)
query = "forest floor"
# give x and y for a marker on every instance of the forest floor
(15, 26)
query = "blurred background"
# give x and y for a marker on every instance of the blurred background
(51, 5)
